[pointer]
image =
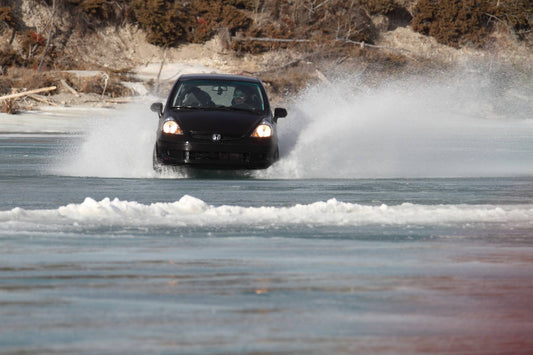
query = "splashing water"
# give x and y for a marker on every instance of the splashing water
(465, 125)
(469, 124)
(116, 146)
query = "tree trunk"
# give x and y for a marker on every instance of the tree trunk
(54, 8)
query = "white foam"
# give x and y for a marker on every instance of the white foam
(191, 211)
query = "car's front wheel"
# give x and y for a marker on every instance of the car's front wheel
(156, 163)
(276, 155)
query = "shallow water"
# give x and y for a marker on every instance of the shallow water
(414, 238)
(247, 265)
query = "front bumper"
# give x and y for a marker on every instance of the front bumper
(249, 153)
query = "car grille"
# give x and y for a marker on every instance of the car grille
(208, 136)
(178, 156)
(194, 156)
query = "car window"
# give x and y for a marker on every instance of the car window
(219, 94)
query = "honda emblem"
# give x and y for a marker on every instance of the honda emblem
(216, 137)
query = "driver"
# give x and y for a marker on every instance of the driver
(240, 97)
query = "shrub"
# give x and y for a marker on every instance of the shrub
(9, 57)
(8, 106)
(242, 4)
(452, 22)
(212, 15)
(90, 14)
(32, 44)
(97, 9)
(8, 17)
(397, 14)
(324, 22)
(517, 15)
(459, 22)
(382, 7)
(24, 78)
(165, 22)
(99, 84)
(171, 23)
(286, 83)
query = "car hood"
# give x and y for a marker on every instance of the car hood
(234, 123)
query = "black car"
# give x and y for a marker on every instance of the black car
(217, 121)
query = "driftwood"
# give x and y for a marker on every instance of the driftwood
(120, 100)
(262, 39)
(27, 93)
(286, 65)
(70, 88)
(42, 99)
(363, 45)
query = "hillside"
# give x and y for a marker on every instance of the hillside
(116, 53)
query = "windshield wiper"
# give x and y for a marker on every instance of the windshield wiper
(230, 108)
(191, 108)
(217, 108)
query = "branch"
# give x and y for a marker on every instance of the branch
(49, 35)
(362, 44)
(42, 99)
(263, 39)
(289, 64)
(70, 88)
(27, 93)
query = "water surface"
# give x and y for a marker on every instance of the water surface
(401, 228)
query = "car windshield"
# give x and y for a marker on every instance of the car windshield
(219, 94)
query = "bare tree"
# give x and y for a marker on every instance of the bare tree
(52, 20)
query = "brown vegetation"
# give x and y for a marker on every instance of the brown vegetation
(19, 80)
(468, 22)
(171, 23)
(38, 54)
(303, 22)
(308, 25)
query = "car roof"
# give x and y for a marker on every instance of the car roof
(200, 76)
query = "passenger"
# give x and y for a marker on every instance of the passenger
(197, 98)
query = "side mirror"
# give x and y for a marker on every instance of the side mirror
(157, 107)
(279, 113)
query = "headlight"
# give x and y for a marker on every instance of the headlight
(171, 127)
(264, 130)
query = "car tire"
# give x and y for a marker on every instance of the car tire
(156, 164)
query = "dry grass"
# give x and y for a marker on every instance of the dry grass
(100, 82)
(8, 106)
(106, 85)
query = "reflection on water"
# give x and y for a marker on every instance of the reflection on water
(276, 295)
(173, 172)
